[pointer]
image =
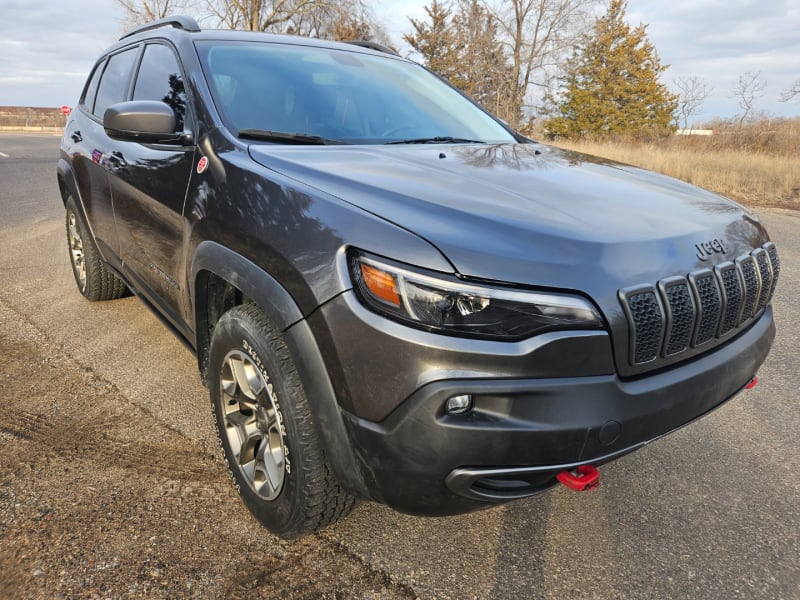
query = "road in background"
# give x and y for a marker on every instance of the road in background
(711, 511)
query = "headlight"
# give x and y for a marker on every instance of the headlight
(435, 303)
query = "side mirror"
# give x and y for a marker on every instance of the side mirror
(143, 121)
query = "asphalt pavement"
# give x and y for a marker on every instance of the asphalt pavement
(711, 511)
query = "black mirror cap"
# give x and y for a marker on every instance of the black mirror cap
(144, 121)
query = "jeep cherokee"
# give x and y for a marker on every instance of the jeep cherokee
(392, 295)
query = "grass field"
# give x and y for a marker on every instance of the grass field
(758, 165)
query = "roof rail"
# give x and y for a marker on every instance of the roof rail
(372, 46)
(178, 22)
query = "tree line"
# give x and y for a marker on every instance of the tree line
(328, 19)
(545, 65)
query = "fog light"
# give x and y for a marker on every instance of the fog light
(458, 405)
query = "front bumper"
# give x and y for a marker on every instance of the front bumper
(522, 431)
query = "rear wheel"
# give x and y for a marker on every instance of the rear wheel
(93, 277)
(266, 429)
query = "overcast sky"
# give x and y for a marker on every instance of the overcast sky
(48, 46)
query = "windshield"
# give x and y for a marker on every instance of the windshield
(338, 95)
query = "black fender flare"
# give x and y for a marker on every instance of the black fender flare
(67, 184)
(279, 306)
(247, 277)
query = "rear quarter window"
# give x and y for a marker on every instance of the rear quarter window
(90, 92)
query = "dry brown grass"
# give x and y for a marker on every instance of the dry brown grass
(758, 164)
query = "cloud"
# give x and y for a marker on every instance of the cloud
(714, 39)
(49, 47)
(720, 40)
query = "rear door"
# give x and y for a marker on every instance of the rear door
(90, 149)
(148, 185)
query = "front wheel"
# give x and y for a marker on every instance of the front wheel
(266, 429)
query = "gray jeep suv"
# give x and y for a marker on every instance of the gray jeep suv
(391, 295)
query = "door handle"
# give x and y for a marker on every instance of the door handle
(76, 136)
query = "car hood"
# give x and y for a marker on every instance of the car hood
(529, 213)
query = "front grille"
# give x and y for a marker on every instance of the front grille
(680, 313)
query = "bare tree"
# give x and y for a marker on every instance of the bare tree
(263, 15)
(692, 93)
(138, 12)
(790, 92)
(334, 19)
(747, 90)
(537, 35)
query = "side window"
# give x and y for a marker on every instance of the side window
(90, 92)
(114, 84)
(160, 79)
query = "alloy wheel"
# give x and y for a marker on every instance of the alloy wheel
(253, 424)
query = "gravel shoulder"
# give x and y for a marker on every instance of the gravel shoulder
(99, 499)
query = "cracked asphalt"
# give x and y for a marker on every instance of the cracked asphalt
(111, 483)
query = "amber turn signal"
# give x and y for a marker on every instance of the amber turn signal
(383, 285)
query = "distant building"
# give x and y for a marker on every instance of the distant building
(694, 132)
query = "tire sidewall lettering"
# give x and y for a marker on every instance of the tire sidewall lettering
(251, 352)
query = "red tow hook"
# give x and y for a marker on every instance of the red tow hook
(752, 383)
(583, 479)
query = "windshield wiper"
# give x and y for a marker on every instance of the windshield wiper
(289, 138)
(441, 139)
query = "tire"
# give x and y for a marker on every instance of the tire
(93, 277)
(266, 429)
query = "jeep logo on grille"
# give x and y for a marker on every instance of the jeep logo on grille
(706, 250)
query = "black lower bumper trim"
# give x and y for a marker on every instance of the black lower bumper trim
(490, 484)
(521, 433)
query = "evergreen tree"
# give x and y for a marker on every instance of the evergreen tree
(612, 84)
(435, 41)
(464, 49)
(483, 70)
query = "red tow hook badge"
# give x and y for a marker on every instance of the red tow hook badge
(583, 479)
(752, 383)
